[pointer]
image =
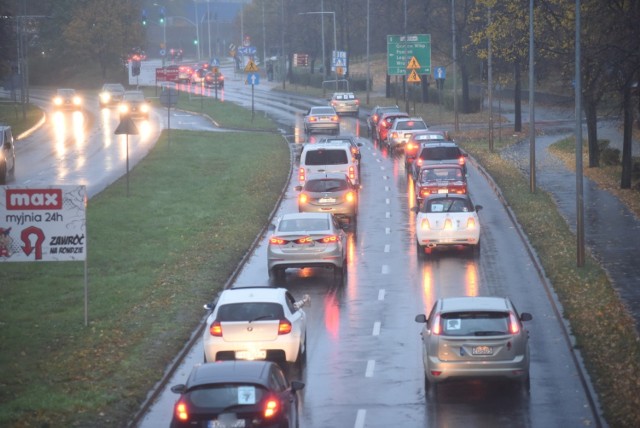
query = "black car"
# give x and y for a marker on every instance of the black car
(444, 152)
(237, 394)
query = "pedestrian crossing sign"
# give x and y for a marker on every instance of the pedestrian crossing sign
(413, 64)
(251, 67)
(413, 77)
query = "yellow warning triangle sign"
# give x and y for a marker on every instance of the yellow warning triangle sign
(251, 67)
(413, 77)
(413, 64)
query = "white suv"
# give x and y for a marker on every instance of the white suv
(328, 158)
(256, 323)
(402, 129)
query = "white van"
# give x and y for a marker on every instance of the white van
(327, 158)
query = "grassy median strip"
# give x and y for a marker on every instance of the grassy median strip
(604, 331)
(155, 257)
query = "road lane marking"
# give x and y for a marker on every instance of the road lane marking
(386, 188)
(371, 365)
(387, 248)
(387, 201)
(376, 328)
(381, 294)
(387, 214)
(387, 230)
(360, 418)
(385, 269)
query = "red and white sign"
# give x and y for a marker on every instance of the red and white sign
(43, 223)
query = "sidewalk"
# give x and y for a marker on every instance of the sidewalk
(612, 231)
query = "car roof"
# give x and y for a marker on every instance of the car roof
(61, 90)
(244, 294)
(326, 146)
(439, 143)
(113, 85)
(394, 114)
(321, 108)
(447, 196)
(474, 303)
(230, 371)
(440, 165)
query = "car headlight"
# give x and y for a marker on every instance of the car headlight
(144, 108)
(105, 97)
(57, 101)
(77, 101)
(123, 108)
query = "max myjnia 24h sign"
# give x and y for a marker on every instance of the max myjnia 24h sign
(43, 223)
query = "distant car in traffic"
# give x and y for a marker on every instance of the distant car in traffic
(415, 142)
(437, 152)
(401, 130)
(256, 323)
(331, 193)
(307, 240)
(7, 155)
(237, 394)
(212, 80)
(374, 116)
(474, 337)
(321, 119)
(329, 157)
(197, 77)
(384, 124)
(441, 178)
(446, 221)
(110, 94)
(134, 105)
(67, 99)
(345, 103)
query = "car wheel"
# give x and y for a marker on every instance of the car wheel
(476, 250)
(302, 355)
(3, 173)
(430, 389)
(420, 250)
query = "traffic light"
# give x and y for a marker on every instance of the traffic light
(144, 17)
(162, 15)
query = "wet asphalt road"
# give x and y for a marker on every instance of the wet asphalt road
(364, 364)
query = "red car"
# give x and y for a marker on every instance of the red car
(384, 123)
(212, 80)
(441, 178)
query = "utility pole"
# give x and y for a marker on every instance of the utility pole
(490, 84)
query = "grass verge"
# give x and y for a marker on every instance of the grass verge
(11, 114)
(604, 331)
(154, 258)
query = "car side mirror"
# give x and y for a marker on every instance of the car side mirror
(296, 385)
(360, 144)
(179, 389)
(526, 316)
(271, 227)
(422, 318)
(298, 188)
(478, 207)
(415, 209)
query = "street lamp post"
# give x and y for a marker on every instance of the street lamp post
(368, 63)
(209, 27)
(335, 38)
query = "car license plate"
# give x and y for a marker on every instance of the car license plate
(443, 191)
(237, 423)
(251, 355)
(482, 350)
(327, 200)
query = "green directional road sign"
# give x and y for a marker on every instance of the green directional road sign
(400, 50)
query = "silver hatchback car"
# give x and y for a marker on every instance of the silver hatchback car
(329, 193)
(474, 337)
(306, 240)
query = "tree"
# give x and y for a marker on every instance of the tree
(104, 30)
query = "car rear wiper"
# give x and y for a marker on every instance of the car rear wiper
(488, 333)
(261, 317)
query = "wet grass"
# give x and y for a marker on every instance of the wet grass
(20, 119)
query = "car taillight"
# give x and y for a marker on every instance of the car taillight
(411, 147)
(271, 408)
(334, 118)
(328, 239)
(304, 240)
(303, 198)
(471, 223)
(274, 240)
(284, 327)
(514, 325)
(419, 162)
(357, 102)
(436, 328)
(447, 224)
(375, 118)
(352, 173)
(215, 329)
(350, 197)
(301, 174)
(394, 134)
(182, 412)
(424, 224)
(384, 124)
(424, 192)
(461, 161)
(313, 119)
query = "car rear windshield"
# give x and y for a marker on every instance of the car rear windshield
(329, 185)
(326, 157)
(440, 153)
(411, 124)
(226, 395)
(432, 174)
(303, 225)
(447, 205)
(475, 323)
(250, 311)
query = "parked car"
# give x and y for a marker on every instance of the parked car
(345, 103)
(415, 142)
(438, 152)
(134, 105)
(307, 240)
(321, 118)
(474, 337)
(256, 323)
(237, 394)
(330, 157)
(384, 123)
(212, 80)
(331, 193)
(401, 130)
(374, 116)
(67, 99)
(446, 221)
(7, 155)
(110, 94)
(441, 178)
